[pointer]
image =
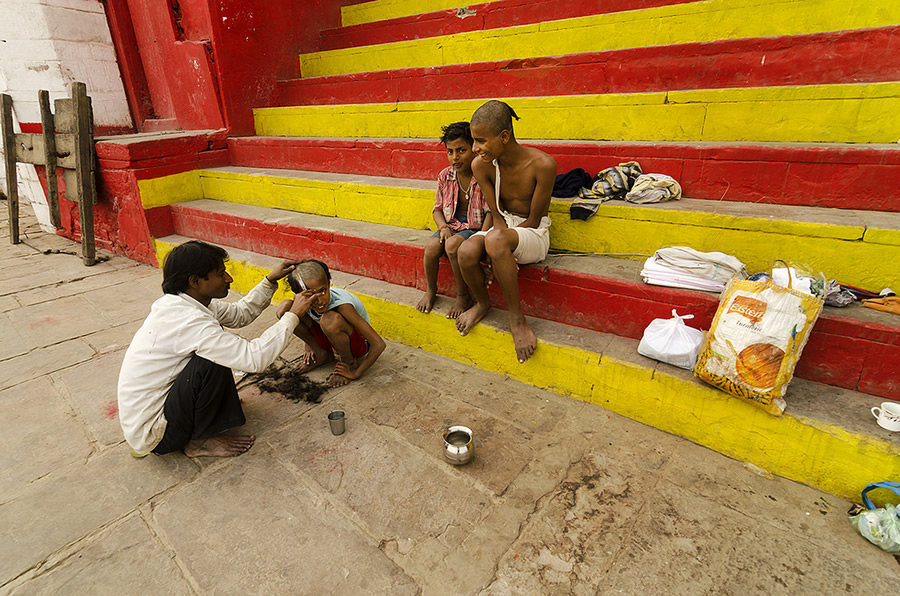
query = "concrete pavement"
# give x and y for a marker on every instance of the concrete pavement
(564, 497)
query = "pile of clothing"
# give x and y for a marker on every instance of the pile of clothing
(625, 181)
(684, 267)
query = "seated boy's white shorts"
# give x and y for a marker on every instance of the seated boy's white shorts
(534, 243)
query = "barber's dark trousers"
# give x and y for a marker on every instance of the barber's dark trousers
(202, 402)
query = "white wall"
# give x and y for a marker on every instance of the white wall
(48, 44)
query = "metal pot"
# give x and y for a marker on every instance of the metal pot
(459, 445)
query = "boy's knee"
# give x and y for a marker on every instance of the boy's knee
(332, 322)
(452, 245)
(469, 253)
(496, 244)
(283, 307)
(433, 248)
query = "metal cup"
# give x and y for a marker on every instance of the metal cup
(336, 421)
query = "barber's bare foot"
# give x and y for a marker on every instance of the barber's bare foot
(460, 305)
(313, 358)
(219, 446)
(427, 302)
(524, 338)
(467, 320)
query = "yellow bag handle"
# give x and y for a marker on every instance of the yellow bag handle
(772, 277)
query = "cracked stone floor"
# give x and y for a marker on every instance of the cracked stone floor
(563, 497)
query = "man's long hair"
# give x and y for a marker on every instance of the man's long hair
(191, 258)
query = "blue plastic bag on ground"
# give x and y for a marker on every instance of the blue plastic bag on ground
(880, 526)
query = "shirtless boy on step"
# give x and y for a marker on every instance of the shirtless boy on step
(521, 227)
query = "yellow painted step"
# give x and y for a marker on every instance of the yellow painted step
(380, 10)
(814, 452)
(852, 113)
(855, 247)
(689, 22)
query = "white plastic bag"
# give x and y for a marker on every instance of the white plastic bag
(671, 341)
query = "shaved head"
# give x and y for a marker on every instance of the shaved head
(306, 272)
(495, 114)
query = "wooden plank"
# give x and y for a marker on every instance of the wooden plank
(9, 155)
(65, 151)
(71, 183)
(65, 115)
(48, 130)
(30, 148)
(84, 170)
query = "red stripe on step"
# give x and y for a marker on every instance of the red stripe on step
(859, 56)
(494, 15)
(839, 351)
(847, 177)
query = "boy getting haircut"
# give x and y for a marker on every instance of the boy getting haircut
(334, 325)
(459, 211)
(521, 227)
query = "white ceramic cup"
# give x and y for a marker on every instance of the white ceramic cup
(888, 415)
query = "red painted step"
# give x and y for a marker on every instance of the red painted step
(854, 348)
(494, 15)
(859, 56)
(824, 175)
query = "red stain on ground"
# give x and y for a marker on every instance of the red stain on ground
(110, 410)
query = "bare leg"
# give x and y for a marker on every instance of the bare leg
(338, 332)
(433, 250)
(500, 245)
(463, 299)
(469, 257)
(314, 356)
(219, 446)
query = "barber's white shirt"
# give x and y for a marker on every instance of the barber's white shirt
(176, 328)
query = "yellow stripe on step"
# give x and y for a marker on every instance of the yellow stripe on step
(818, 454)
(853, 113)
(165, 190)
(845, 250)
(841, 252)
(380, 10)
(390, 205)
(689, 22)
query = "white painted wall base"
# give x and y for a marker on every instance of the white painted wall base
(48, 44)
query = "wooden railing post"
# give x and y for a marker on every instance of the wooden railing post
(48, 129)
(12, 183)
(84, 169)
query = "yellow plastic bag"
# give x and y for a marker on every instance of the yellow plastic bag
(755, 340)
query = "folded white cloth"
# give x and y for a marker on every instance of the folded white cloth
(657, 274)
(716, 266)
(684, 267)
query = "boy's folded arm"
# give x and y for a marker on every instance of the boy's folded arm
(481, 170)
(545, 176)
(376, 343)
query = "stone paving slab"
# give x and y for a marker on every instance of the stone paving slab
(564, 497)
(78, 499)
(57, 441)
(281, 539)
(91, 385)
(43, 361)
(124, 555)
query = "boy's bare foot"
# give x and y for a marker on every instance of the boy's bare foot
(524, 338)
(343, 373)
(313, 358)
(460, 305)
(426, 302)
(219, 446)
(467, 320)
